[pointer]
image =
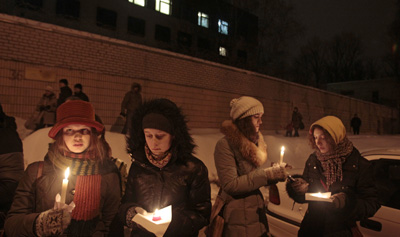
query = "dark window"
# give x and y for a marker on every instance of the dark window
(347, 92)
(30, 4)
(106, 18)
(375, 96)
(136, 26)
(203, 43)
(387, 177)
(68, 8)
(242, 54)
(184, 39)
(162, 34)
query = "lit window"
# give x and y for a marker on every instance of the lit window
(138, 2)
(164, 6)
(222, 51)
(202, 19)
(223, 27)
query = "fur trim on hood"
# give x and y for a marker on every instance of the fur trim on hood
(257, 155)
(182, 143)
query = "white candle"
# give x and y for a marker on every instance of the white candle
(64, 186)
(282, 152)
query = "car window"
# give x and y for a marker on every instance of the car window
(387, 175)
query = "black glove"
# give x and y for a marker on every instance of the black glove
(299, 186)
(131, 213)
(339, 200)
(122, 114)
(52, 222)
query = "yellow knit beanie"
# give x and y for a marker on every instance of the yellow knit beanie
(245, 106)
(333, 125)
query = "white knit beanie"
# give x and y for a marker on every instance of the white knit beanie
(245, 106)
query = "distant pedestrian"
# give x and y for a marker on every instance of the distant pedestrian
(355, 124)
(47, 109)
(79, 93)
(11, 163)
(289, 129)
(297, 120)
(132, 100)
(65, 91)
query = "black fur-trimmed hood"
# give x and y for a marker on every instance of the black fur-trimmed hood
(182, 144)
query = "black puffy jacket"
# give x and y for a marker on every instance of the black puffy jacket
(361, 197)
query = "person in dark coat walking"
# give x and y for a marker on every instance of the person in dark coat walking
(336, 166)
(132, 100)
(65, 91)
(47, 109)
(355, 124)
(79, 93)
(94, 183)
(164, 172)
(11, 163)
(297, 120)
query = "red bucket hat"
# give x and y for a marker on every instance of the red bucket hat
(75, 112)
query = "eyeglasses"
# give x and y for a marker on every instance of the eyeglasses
(71, 132)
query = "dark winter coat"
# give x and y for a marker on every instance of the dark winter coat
(361, 197)
(65, 92)
(35, 195)
(296, 119)
(355, 122)
(182, 183)
(238, 161)
(132, 101)
(82, 96)
(11, 163)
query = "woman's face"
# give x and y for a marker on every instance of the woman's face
(158, 141)
(321, 141)
(256, 121)
(76, 137)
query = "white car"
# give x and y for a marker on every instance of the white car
(284, 215)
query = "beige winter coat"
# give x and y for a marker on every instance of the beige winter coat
(237, 161)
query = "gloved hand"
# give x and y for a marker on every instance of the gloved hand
(276, 173)
(299, 186)
(339, 200)
(52, 222)
(122, 114)
(131, 213)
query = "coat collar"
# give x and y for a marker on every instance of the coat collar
(257, 155)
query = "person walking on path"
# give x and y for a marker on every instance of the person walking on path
(297, 120)
(336, 166)
(132, 100)
(65, 91)
(238, 158)
(47, 109)
(355, 123)
(79, 93)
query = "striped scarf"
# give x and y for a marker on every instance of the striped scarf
(332, 162)
(157, 160)
(88, 182)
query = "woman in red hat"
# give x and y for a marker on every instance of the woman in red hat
(93, 183)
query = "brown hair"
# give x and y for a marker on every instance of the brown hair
(246, 126)
(328, 136)
(98, 145)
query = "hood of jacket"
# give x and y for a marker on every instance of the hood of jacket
(182, 144)
(256, 154)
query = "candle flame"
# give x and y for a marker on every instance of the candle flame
(156, 212)
(282, 150)
(66, 173)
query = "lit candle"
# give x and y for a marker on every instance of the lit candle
(156, 216)
(64, 186)
(321, 195)
(282, 152)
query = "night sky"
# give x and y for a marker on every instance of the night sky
(368, 19)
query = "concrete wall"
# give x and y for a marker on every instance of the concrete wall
(34, 55)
